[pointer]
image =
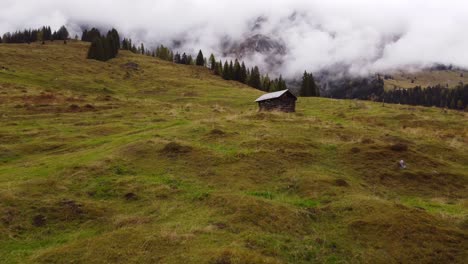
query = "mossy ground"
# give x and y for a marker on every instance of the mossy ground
(162, 163)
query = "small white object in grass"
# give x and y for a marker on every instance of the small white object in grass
(402, 164)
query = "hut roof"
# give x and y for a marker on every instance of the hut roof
(274, 95)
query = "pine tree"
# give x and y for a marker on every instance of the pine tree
(308, 86)
(125, 44)
(281, 84)
(177, 58)
(243, 74)
(87, 36)
(218, 68)
(109, 46)
(184, 59)
(47, 33)
(231, 71)
(255, 81)
(103, 48)
(236, 71)
(226, 74)
(40, 36)
(164, 53)
(200, 61)
(212, 61)
(84, 35)
(114, 35)
(266, 83)
(62, 33)
(96, 51)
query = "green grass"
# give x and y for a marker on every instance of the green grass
(171, 164)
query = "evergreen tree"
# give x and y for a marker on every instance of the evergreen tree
(266, 84)
(104, 48)
(84, 35)
(96, 51)
(255, 81)
(125, 45)
(177, 58)
(40, 36)
(218, 68)
(184, 59)
(114, 35)
(110, 47)
(243, 74)
(231, 71)
(308, 85)
(236, 71)
(62, 34)
(47, 33)
(281, 84)
(226, 74)
(200, 61)
(164, 53)
(107, 48)
(212, 62)
(87, 36)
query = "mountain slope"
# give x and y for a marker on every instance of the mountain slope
(138, 160)
(449, 78)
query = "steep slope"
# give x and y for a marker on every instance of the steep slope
(137, 160)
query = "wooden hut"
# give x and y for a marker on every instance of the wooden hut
(281, 101)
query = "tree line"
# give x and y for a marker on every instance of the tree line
(237, 71)
(439, 96)
(32, 35)
(373, 89)
(363, 88)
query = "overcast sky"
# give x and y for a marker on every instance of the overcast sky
(368, 35)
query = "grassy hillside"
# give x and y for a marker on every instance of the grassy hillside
(408, 80)
(137, 160)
